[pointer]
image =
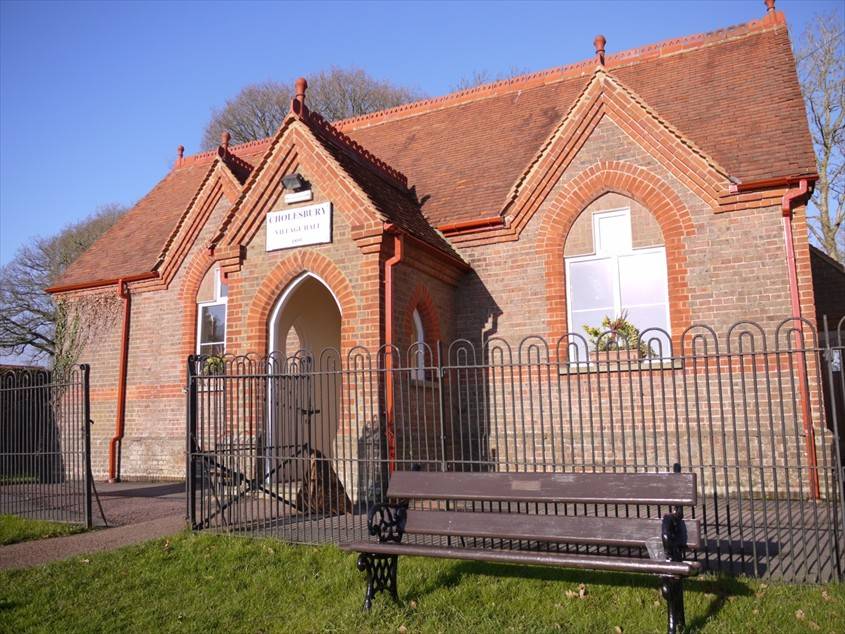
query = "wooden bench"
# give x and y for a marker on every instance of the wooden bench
(519, 507)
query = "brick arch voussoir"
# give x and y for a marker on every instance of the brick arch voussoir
(422, 302)
(632, 181)
(261, 307)
(194, 274)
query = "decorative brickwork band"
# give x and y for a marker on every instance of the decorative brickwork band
(299, 261)
(422, 302)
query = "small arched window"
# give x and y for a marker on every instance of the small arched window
(212, 300)
(419, 347)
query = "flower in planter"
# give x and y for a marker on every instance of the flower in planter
(214, 364)
(617, 334)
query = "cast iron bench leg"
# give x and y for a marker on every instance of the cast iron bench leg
(381, 575)
(673, 591)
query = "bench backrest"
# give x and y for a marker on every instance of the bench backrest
(677, 489)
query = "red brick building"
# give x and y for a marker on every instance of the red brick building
(669, 181)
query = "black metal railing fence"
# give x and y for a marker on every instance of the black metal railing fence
(45, 445)
(301, 447)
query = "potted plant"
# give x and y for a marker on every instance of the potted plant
(214, 364)
(617, 340)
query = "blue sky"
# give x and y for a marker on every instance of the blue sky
(95, 97)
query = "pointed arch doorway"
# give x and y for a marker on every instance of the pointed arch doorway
(304, 337)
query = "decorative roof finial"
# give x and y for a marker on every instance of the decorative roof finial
(297, 104)
(599, 43)
(770, 6)
(224, 141)
(180, 153)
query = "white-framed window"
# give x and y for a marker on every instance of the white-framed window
(419, 340)
(616, 278)
(211, 319)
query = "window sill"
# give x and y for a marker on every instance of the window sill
(622, 366)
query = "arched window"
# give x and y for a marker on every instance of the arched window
(419, 340)
(610, 272)
(212, 299)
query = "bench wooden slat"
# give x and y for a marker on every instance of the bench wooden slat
(591, 562)
(587, 488)
(613, 531)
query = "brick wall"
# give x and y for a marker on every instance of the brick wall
(163, 319)
(723, 267)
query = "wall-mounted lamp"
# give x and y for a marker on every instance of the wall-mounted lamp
(294, 182)
(299, 190)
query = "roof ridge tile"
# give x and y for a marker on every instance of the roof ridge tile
(326, 129)
(208, 156)
(644, 53)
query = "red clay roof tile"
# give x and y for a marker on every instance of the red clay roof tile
(733, 92)
(134, 243)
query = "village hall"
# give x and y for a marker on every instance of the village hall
(667, 184)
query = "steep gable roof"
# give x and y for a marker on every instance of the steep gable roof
(134, 244)
(385, 189)
(733, 92)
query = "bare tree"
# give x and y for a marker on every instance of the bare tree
(337, 93)
(480, 77)
(254, 113)
(821, 66)
(28, 315)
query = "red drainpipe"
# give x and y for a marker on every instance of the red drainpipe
(120, 417)
(787, 202)
(398, 252)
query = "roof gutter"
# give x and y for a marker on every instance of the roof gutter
(430, 248)
(781, 181)
(791, 198)
(151, 275)
(472, 225)
(120, 417)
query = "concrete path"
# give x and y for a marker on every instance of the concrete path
(136, 512)
(127, 503)
(43, 551)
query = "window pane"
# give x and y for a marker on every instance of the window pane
(581, 318)
(419, 334)
(211, 349)
(642, 278)
(213, 323)
(591, 285)
(654, 316)
(613, 233)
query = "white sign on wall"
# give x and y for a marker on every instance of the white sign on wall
(299, 226)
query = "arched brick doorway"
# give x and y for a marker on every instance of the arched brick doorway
(305, 331)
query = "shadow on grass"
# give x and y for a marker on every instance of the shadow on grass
(722, 586)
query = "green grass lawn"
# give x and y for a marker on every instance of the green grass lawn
(15, 529)
(208, 583)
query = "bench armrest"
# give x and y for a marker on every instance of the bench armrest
(674, 535)
(387, 521)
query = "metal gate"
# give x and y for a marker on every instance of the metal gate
(45, 444)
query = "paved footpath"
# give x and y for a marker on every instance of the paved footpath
(136, 511)
(43, 551)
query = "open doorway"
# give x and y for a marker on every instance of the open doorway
(305, 393)
(304, 396)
